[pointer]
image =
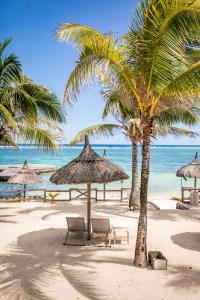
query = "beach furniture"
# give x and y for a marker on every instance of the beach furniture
(76, 231)
(10, 194)
(180, 205)
(88, 167)
(194, 195)
(194, 198)
(157, 260)
(120, 234)
(101, 228)
(191, 170)
(25, 176)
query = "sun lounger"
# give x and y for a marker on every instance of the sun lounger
(180, 205)
(101, 227)
(76, 232)
(6, 195)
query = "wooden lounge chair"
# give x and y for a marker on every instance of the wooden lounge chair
(102, 227)
(75, 227)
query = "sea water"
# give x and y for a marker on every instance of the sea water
(165, 161)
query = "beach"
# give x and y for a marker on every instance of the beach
(36, 266)
(99, 150)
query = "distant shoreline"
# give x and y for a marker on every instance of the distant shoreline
(105, 145)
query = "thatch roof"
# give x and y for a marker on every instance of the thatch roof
(88, 167)
(192, 170)
(25, 175)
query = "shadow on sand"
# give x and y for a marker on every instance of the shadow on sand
(184, 278)
(39, 255)
(2, 220)
(187, 240)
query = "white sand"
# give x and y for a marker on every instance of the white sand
(34, 265)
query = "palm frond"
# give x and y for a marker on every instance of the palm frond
(176, 114)
(42, 138)
(49, 123)
(7, 140)
(99, 56)
(35, 95)
(6, 116)
(167, 27)
(76, 34)
(175, 131)
(10, 69)
(4, 45)
(186, 83)
(96, 131)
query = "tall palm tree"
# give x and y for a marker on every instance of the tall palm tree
(28, 111)
(129, 124)
(152, 65)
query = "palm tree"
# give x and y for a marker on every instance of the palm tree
(152, 65)
(130, 125)
(28, 111)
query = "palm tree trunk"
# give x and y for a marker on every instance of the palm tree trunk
(134, 200)
(141, 246)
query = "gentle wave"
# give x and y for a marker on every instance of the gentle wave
(103, 146)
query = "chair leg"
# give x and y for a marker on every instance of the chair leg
(83, 238)
(65, 242)
(67, 235)
(109, 240)
(114, 235)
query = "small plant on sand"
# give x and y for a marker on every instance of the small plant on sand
(53, 196)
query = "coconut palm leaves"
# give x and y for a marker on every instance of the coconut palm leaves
(150, 65)
(99, 130)
(27, 110)
(161, 64)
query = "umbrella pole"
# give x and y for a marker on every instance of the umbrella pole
(195, 182)
(24, 192)
(89, 211)
(104, 192)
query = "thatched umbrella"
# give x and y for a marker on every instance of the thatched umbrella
(88, 167)
(192, 170)
(25, 176)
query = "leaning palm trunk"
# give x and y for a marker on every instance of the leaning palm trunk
(141, 246)
(134, 200)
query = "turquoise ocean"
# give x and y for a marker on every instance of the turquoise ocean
(165, 161)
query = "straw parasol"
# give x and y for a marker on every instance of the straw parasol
(192, 170)
(25, 176)
(88, 167)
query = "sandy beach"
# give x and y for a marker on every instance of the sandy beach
(35, 264)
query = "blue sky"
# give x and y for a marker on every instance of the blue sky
(31, 24)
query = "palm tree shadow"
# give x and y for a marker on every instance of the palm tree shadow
(187, 240)
(37, 255)
(40, 208)
(121, 209)
(7, 221)
(184, 278)
(175, 215)
(53, 208)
